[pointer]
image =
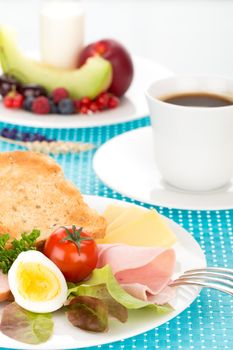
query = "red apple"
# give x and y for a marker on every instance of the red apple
(120, 59)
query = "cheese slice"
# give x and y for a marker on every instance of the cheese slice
(148, 229)
(113, 211)
(129, 214)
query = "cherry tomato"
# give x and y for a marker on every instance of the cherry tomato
(73, 251)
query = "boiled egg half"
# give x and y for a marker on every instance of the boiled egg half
(36, 283)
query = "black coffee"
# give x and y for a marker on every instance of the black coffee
(195, 99)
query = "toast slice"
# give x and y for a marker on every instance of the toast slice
(35, 194)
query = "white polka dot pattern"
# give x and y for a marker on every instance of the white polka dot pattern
(208, 322)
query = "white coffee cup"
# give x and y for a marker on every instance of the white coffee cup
(193, 146)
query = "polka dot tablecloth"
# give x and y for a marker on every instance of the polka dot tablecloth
(208, 322)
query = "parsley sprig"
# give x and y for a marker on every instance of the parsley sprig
(8, 256)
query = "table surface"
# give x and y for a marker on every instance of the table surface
(208, 322)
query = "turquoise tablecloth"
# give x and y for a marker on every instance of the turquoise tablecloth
(208, 322)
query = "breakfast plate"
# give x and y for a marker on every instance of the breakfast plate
(141, 180)
(132, 106)
(189, 255)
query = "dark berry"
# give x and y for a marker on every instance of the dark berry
(37, 137)
(8, 84)
(34, 137)
(59, 94)
(33, 90)
(66, 106)
(53, 107)
(22, 136)
(12, 134)
(31, 137)
(8, 79)
(41, 105)
(40, 138)
(25, 137)
(4, 132)
(5, 89)
(27, 103)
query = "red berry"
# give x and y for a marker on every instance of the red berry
(113, 102)
(59, 94)
(41, 105)
(93, 107)
(13, 100)
(84, 110)
(103, 100)
(77, 105)
(17, 101)
(85, 101)
(8, 101)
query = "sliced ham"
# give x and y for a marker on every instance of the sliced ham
(141, 291)
(143, 272)
(4, 287)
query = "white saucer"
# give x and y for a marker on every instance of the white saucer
(126, 164)
(133, 105)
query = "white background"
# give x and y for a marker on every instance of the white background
(187, 36)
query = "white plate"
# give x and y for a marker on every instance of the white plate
(126, 164)
(189, 255)
(133, 105)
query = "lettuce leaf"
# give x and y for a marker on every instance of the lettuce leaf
(88, 313)
(25, 326)
(100, 291)
(105, 277)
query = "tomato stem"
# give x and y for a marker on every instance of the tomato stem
(74, 235)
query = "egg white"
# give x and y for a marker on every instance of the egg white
(33, 256)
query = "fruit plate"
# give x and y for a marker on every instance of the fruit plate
(132, 106)
(189, 255)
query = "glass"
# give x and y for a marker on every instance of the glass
(61, 32)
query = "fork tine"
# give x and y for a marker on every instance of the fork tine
(206, 278)
(219, 278)
(223, 289)
(212, 269)
(209, 274)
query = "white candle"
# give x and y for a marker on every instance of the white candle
(62, 32)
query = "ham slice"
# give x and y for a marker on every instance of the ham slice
(143, 272)
(4, 287)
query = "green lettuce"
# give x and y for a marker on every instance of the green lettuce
(25, 326)
(105, 278)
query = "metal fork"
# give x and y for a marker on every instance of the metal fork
(219, 278)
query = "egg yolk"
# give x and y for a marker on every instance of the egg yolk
(37, 282)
